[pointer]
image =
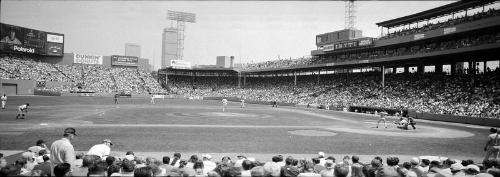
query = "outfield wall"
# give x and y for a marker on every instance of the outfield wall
(236, 99)
(17, 87)
(492, 122)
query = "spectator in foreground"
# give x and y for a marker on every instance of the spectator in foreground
(144, 172)
(391, 170)
(62, 170)
(62, 150)
(356, 167)
(101, 150)
(341, 171)
(43, 169)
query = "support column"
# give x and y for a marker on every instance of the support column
(239, 80)
(472, 67)
(383, 76)
(453, 68)
(438, 68)
(319, 72)
(484, 67)
(295, 78)
(406, 69)
(420, 69)
(244, 80)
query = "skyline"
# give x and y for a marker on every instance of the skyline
(250, 31)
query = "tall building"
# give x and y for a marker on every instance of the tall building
(132, 50)
(225, 61)
(169, 46)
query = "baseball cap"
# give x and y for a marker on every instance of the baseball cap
(456, 167)
(107, 141)
(70, 130)
(241, 156)
(322, 154)
(208, 156)
(414, 161)
(27, 155)
(472, 168)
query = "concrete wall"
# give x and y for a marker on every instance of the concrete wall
(24, 87)
(495, 122)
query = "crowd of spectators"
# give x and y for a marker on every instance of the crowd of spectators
(449, 22)
(79, 77)
(280, 63)
(460, 94)
(36, 162)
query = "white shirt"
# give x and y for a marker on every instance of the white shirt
(4, 98)
(208, 166)
(224, 101)
(102, 150)
(23, 107)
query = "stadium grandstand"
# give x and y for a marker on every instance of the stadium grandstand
(449, 67)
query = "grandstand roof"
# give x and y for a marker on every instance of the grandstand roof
(435, 12)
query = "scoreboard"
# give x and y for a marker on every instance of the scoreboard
(24, 40)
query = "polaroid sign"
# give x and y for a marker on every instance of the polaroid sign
(23, 49)
(87, 59)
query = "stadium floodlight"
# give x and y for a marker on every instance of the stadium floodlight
(181, 18)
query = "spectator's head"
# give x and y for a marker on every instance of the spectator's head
(177, 155)
(97, 169)
(275, 159)
(130, 153)
(88, 160)
(62, 169)
(407, 165)
(114, 168)
(289, 160)
(495, 172)
(467, 162)
(9, 170)
(456, 167)
(448, 162)
(110, 160)
(376, 163)
(193, 158)
(321, 155)
(308, 167)
(198, 165)
(425, 162)
(143, 172)
(166, 159)
(315, 160)
(46, 158)
(355, 159)
(128, 166)
(380, 159)
(70, 133)
(472, 169)
(331, 158)
(493, 130)
(414, 161)
(226, 159)
(107, 142)
(329, 164)
(341, 171)
(295, 162)
(3, 162)
(28, 156)
(241, 157)
(258, 172)
(40, 143)
(247, 165)
(392, 161)
(206, 157)
(42, 152)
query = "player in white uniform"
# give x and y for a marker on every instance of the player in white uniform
(242, 103)
(23, 108)
(224, 104)
(152, 99)
(382, 118)
(4, 101)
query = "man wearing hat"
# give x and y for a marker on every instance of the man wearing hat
(62, 150)
(208, 165)
(101, 150)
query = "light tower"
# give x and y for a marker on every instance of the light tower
(350, 17)
(181, 18)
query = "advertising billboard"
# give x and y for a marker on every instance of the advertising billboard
(87, 59)
(25, 40)
(118, 60)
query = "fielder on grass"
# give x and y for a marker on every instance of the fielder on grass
(23, 108)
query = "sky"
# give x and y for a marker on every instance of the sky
(252, 31)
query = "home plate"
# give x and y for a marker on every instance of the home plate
(44, 124)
